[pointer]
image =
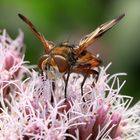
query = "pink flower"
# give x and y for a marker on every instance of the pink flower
(27, 110)
(11, 56)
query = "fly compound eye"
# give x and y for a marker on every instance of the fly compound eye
(61, 63)
(42, 62)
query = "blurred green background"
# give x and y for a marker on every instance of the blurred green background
(72, 19)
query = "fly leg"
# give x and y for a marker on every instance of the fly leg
(96, 76)
(87, 73)
(66, 82)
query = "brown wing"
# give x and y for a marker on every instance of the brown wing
(92, 37)
(40, 37)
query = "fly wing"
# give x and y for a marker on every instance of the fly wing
(92, 37)
(46, 44)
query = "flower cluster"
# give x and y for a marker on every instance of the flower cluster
(33, 107)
